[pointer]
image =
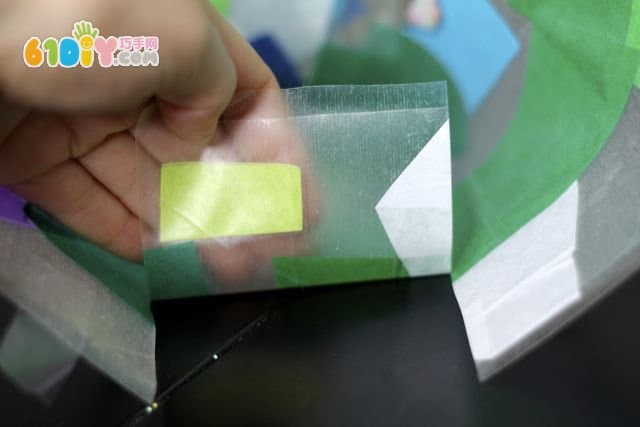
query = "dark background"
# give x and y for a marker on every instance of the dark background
(385, 354)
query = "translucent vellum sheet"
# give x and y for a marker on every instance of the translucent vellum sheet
(364, 169)
(387, 56)
(64, 314)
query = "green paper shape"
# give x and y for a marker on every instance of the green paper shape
(312, 271)
(200, 200)
(223, 6)
(124, 278)
(633, 34)
(387, 57)
(577, 82)
(175, 272)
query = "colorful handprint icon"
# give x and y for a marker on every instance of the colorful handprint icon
(85, 34)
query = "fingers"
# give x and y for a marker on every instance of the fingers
(42, 141)
(97, 201)
(11, 115)
(195, 117)
(24, 155)
(163, 145)
(197, 91)
(253, 74)
(115, 164)
(235, 74)
(79, 201)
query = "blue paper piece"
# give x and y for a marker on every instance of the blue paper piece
(12, 208)
(473, 43)
(277, 60)
(345, 11)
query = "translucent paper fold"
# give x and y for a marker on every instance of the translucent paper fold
(77, 316)
(351, 145)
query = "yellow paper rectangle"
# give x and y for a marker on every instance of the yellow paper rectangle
(206, 200)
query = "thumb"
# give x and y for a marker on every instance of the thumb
(197, 85)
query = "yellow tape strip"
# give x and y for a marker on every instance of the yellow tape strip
(206, 200)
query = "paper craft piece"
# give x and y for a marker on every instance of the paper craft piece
(473, 43)
(206, 200)
(521, 285)
(277, 60)
(560, 126)
(561, 262)
(416, 210)
(300, 27)
(223, 6)
(90, 319)
(12, 208)
(359, 140)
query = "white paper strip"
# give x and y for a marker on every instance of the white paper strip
(85, 316)
(416, 211)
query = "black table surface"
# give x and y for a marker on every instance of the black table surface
(380, 354)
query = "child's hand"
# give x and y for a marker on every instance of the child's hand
(66, 134)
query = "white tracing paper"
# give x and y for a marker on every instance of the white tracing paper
(64, 313)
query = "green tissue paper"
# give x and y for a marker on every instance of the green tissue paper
(579, 76)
